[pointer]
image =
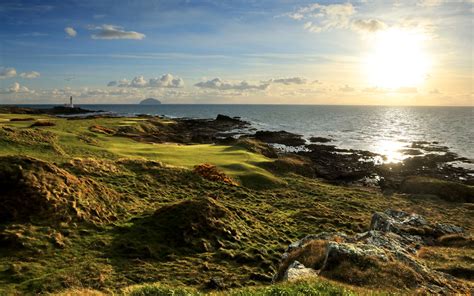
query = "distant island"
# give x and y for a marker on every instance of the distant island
(150, 101)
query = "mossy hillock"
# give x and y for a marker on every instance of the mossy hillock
(33, 189)
(190, 226)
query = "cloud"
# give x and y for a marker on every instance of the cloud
(165, 81)
(30, 75)
(346, 88)
(15, 88)
(290, 80)
(429, 3)
(70, 31)
(321, 17)
(369, 25)
(7, 73)
(219, 84)
(109, 32)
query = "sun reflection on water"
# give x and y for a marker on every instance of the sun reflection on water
(391, 149)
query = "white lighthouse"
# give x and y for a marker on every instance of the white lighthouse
(70, 105)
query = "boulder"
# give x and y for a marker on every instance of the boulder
(411, 225)
(297, 271)
(383, 257)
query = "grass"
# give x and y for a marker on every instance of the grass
(75, 140)
(127, 253)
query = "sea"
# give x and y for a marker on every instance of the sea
(386, 130)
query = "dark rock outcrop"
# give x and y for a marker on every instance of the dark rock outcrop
(319, 140)
(280, 137)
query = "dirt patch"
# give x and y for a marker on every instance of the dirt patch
(101, 130)
(22, 119)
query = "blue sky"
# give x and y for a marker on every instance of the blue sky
(236, 51)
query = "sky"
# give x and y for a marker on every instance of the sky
(411, 52)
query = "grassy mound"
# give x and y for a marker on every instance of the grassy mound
(197, 225)
(450, 191)
(14, 140)
(257, 146)
(31, 188)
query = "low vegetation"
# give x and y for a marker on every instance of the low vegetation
(86, 211)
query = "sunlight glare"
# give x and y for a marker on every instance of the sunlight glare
(398, 59)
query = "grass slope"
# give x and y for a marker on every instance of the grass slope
(238, 235)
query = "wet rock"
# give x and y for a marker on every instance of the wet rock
(221, 117)
(280, 137)
(412, 152)
(340, 165)
(319, 140)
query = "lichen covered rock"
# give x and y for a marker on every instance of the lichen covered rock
(383, 257)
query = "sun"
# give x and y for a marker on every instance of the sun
(398, 59)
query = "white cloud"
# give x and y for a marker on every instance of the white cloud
(321, 17)
(369, 25)
(347, 88)
(70, 31)
(30, 75)
(289, 80)
(15, 88)
(318, 18)
(219, 84)
(115, 32)
(430, 3)
(7, 72)
(165, 81)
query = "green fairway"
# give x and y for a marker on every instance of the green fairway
(72, 138)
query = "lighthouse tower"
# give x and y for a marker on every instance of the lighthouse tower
(71, 105)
